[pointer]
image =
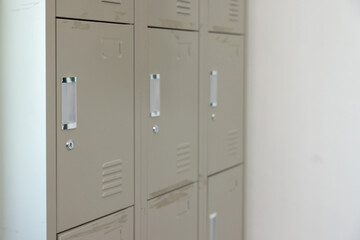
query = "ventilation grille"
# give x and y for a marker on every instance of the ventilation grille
(112, 178)
(183, 7)
(234, 10)
(183, 157)
(233, 142)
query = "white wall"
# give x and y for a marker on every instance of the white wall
(303, 116)
(22, 120)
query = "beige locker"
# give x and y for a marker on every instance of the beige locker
(174, 215)
(226, 95)
(101, 10)
(118, 226)
(227, 16)
(172, 147)
(225, 204)
(180, 14)
(95, 151)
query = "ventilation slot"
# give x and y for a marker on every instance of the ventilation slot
(112, 178)
(183, 157)
(234, 11)
(183, 7)
(233, 142)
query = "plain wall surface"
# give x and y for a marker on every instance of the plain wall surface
(22, 120)
(303, 120)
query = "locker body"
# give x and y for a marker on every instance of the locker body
(180, 14)
(173, 151)
(174, 215)
(225, 117)
(118, 226)
(101, 10)
(227, 16)
(225, 204)
(96, 177)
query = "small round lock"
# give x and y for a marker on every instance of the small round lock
(213, 116)
(156, 129)
(70, 145)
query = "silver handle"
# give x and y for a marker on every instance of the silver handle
(68, 103)
(154, 95)
(111, 1)
(212, 227)
(213, 88)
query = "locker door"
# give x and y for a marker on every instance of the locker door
(227, 16)
(180, 14)
(95, 178)
(174, 215)
(226, 93)
(225, 203)
(172, 128)
(102, 10)
(118, 226)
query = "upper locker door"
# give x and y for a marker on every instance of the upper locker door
(101, 10)
(227, 16)
(180, 14)
(95, 173)
(226, 95)
(173, 110)
(225, 204)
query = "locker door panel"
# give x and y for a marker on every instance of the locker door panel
(180, 14)
(225, 203)
(95, 178)
(173, 151)
(227, 16)
(174, 215)
(118, 226)
(225, 116)
(102, 10)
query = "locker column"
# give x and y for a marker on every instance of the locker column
(221, 119)
(95, 119)
(167, 106)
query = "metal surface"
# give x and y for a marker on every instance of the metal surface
(155, 95)
(213, 88)
(173, 155)
(97, 177)
(212, 226)
(70, 145)
(225, 198)
(156, 129)
(68, 103)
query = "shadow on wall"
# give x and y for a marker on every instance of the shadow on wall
(2, 122)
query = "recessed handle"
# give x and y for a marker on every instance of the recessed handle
(111, 1)
(212, 226)
(68, 103)
(154, 95)
(213, 88)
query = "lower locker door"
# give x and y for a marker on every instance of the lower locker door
(174, 215)
(225, 204)
(226, 100)
(118, 226)
(95, 173)
(172, 148)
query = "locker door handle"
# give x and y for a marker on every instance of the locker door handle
(154, 95)
(68, 103)
(111, 1)
(212, 226)
(213, 88)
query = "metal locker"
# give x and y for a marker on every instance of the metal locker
(101, 10)
(180, 14)
(118, 226)
(172, 147)
(225, 204)
(95, 119)
(227, 16)
(226, 94)
(174, 215)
